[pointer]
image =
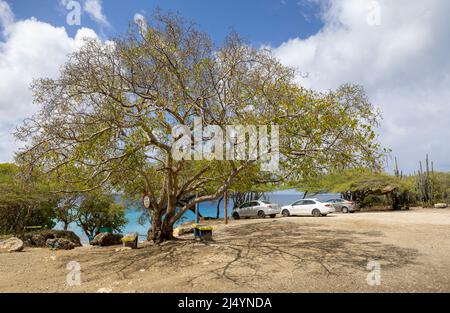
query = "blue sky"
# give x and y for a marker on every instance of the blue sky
(397, 50)
(259, 21)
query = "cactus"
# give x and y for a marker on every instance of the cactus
(424, 182)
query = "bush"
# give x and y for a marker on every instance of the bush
(39, 238)
(23, 204)
(371, 201)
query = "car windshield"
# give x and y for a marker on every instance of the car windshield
(265, 202)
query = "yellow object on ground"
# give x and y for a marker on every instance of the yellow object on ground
(202, 227)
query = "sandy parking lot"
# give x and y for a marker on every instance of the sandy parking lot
(295, 254)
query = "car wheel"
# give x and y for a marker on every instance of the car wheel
(316, 213)
(261, 214)
(236, 216)
(273, 215)
(344, 210)
(285, 213)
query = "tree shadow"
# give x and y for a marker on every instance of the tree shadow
(245, 254)
(302, 245)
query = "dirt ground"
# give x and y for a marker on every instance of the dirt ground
(294, 254)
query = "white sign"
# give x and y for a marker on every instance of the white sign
(146, 202)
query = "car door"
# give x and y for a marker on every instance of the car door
(253, 208)
(297, 207)
(307, 207)
(243, 209)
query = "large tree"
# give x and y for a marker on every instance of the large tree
(97, 210)
(108, 118)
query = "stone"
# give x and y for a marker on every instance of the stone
(440, 205)
(130, 240)
(183, 230)
(60, 244)
(12, 244)
(107, 239)
(39, 238)
(122, 249)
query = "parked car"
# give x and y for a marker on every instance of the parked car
(342, 205)
(312, 207)
(256, 208)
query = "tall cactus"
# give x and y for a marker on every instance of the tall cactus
(424, 184)
(396, 171)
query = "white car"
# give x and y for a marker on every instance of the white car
(307, 207)
(256, 208)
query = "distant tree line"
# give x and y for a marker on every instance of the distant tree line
(371, 188)
(32, 205)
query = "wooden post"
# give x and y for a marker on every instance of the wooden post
(225, 207)
(197, 217)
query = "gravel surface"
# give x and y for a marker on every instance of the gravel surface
(294, 254)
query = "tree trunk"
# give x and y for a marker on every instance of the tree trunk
(90, 234)
(395, 201)
(161, 229)
(166, 230)
(218, 208)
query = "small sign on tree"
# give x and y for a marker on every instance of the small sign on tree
(146, 201)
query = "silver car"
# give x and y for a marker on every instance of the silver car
(342, 205)
(256, 208)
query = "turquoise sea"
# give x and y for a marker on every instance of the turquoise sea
(206, 209)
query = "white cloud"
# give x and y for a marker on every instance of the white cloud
(94, 9)
(400, 56)
(30, 49)
(6, 15)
